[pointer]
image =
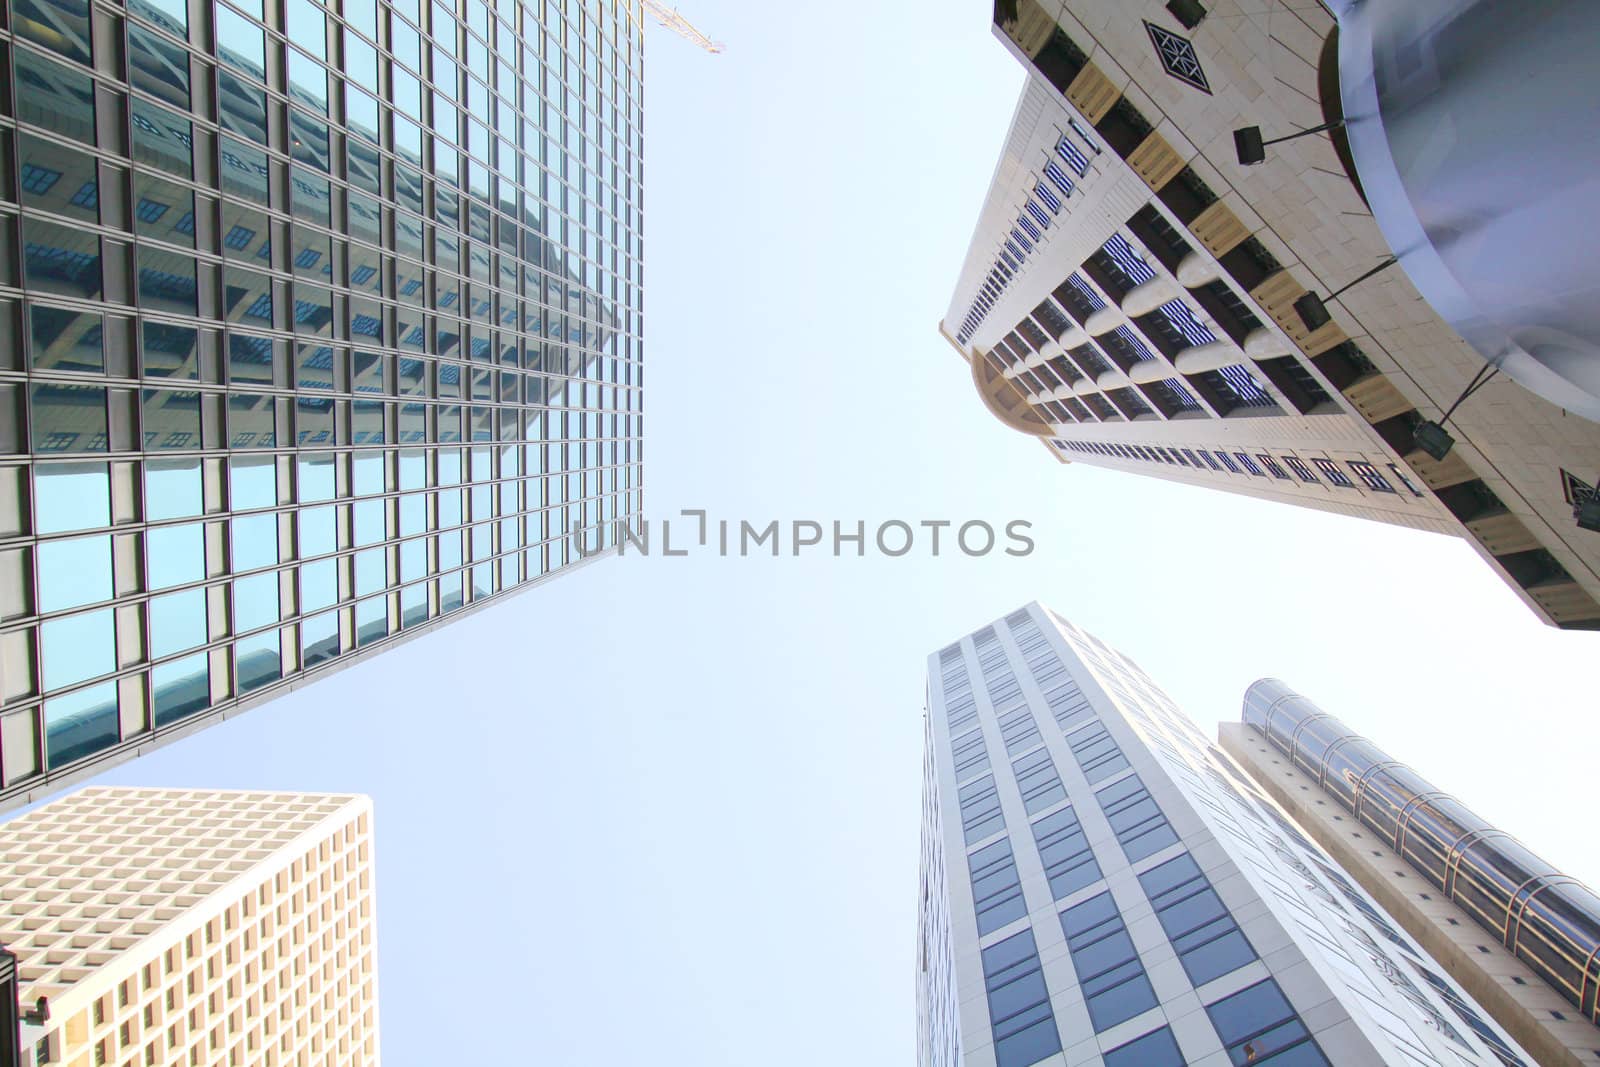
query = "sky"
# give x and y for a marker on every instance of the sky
(666, 810)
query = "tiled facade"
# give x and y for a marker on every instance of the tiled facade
(318, 324)
(1128, 296)
(1444, 875)
(1119, 892)
(186, 928)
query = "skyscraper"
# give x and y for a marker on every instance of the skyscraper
(1520, 936)
(320, 325)
(1135, 298)
(224, 929)
(1102, 884)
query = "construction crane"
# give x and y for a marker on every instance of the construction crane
(675, 22)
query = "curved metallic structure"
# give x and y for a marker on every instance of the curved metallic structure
(1475, 129)
(1549, 920)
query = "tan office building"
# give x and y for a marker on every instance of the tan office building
(1129, 296)
(1520, 937)
(186, 928)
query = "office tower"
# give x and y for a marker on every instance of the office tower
(318, 325)
(1137, 299)
(1103, 885)
(1521, 937)
(194, 927)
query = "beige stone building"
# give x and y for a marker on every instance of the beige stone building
(1128, 296)
(1520, 937)
(184, 928)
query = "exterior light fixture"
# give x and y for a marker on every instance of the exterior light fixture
(1314, 312)
(1251, 149)
(1432, 437)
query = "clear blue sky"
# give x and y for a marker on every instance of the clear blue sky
(666, 811)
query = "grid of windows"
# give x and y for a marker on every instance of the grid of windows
(1038, 781)
(996, 886)
(1069, 862)
(436, 301)
(1019, 1002)
(980, 809)
(1097, 754)
(1259, 465)
(1110, 973)
(1138, 822)
(1208, 941)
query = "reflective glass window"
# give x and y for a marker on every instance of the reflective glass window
(71, 496)
(253, 482)
(78, 647)
(66, 340)
(260, 661)
(80, 724)
(68, 418)
(255, 541)
(59, 25)
(173, 489)
(158, 66)
(177, 622)
(180, 688)
(177, 555)
(75, 572)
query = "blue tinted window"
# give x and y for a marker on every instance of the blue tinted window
(1115, 988)
(1257, 1026)
(1019, 1002)
(1140, 826)
(1155, 1049)
(1202, 931)
(996, 887)
(1069, 862)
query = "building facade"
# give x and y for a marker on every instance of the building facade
(320, 324)
(1522, 938)
(186, 928)
(1129, 295)
(1116, 890)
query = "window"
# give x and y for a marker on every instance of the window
(1140, 826)
(1257, 1026)
(151, 210)
(1404, 480)
(1227, 461)
(1069, 862)
(1096, 752)
(1019, 1002)
(1202, 931)
(1109, 971)
(1271, 466)
(1073, 156)
(1038, 781)
(1017, 728)
(969, 754)
(1370, 477)
(1300, 469)
(239, 237)
(996, 887)
(38, 180)
(980, 809)
(1155, 1049)
(1330, 470)
(1249, 464)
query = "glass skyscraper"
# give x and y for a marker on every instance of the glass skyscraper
(320, 323)
(1102, 884)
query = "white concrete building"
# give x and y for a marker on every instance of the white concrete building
(1129, 296)
(1102, 884)
(183, 928)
